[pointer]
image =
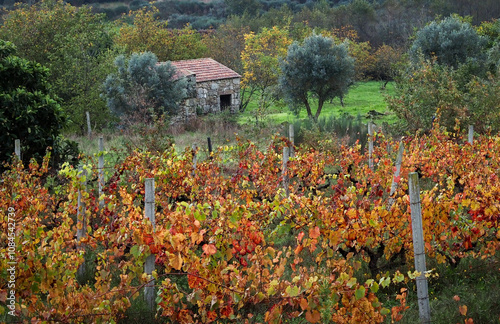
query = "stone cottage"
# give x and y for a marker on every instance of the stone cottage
(212, 87)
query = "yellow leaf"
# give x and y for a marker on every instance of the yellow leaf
(176, 261)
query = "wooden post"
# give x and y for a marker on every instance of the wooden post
(194, 147)
(81, 225)
(286, 154)
(394, 185)
(89, 130)
(471, 134)
(209, 147)
(370, 145)
(149, 265)
(291, 137)
(101, 171)
(419, 249)
(17, 148)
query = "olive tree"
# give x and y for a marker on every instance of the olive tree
(316, 69)
(450, 42)
(141, 83)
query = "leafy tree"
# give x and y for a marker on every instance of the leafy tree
(451, 42)
(150, 34)
(364, 61)
(386, 59)
(142, 85)
(225, 45)
(433, 92)
(260, 63)
(74, 44)
(318, 69)
(30, 112)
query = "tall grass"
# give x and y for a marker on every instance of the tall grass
(347, 128)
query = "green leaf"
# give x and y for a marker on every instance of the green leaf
(351, 282)
(360, 292)
(292, 291)
(199, 216)
(374, 287)
(385, 282)
(385, 311)
(135, 251)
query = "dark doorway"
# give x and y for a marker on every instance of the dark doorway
(225, 102)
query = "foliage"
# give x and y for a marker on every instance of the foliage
(240, 7)
(229, 247)
(491, 30)
(148, 33)
(318, 68)
(385, 66)
(364, 61)
(141, 85)
(451, 42)
(30, 111)
(225, 45)
(261, 68)
(74, 44)
(432, 92)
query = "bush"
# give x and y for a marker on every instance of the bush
(30, 112)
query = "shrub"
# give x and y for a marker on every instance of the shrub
(435, 91)
(345, 129)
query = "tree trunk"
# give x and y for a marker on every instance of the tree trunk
(308, 108)
(320, 106)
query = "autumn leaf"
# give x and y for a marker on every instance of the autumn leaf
(314, 232)
(209, 249)
(463, 310)
(313, 317)
(304, 304)
(176, 261)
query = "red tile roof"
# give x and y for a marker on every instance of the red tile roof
(205, 69)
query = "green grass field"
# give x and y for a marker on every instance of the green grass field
(362, 97)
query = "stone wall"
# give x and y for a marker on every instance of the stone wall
(207, 97)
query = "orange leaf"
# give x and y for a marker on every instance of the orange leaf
(313, 317)
(463, 310)
(304, 304)
(300, 236)
(314, 232)
(456, 298)
(209, 249)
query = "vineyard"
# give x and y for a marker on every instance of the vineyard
(231, 244)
